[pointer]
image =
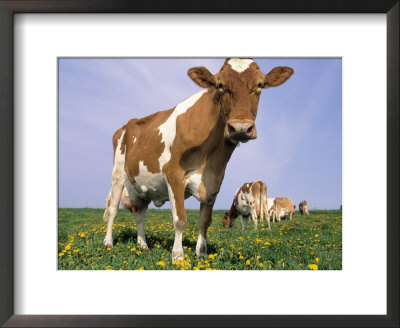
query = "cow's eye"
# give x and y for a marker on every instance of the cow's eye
(220, 86)
(260, 85)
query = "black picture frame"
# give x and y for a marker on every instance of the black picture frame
(7, 130)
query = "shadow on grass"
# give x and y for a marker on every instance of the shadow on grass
(130, 236)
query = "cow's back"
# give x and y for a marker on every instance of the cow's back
(284, 203)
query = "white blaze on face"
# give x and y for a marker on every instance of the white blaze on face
(240, 65)
(168, 128)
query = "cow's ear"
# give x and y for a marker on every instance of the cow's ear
(277, 76)
(202, 77)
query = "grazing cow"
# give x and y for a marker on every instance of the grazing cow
(250, 202)
(303, 208)
(183, 151)
(283, 207)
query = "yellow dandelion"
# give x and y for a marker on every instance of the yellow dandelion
(316, 235)
(161, 263)
(82, 235)
(261, 265)
(317, 259)
(61, 254)
(109, 248)
(313, 267)
(248, 262)
(68, 247)
(267, 243)
(75, 251)
(108, 267)
(141, 268)
(241, 257)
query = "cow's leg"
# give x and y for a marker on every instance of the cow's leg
(118, 180)
(257, 208)
(140, 219)
(108, 202)
(241, 221)
(268, 220)
(290, 216)
(244, 220)
(176, 193)
(204, 223)
(253, 215)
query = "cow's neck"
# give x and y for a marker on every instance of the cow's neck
(220, 146)
(233, 214)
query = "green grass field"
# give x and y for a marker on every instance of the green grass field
(304, 243)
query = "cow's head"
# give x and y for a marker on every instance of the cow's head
(227, 221)
(237, 87)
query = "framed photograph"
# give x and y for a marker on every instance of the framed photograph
(74, 73)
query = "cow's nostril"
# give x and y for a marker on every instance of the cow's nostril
(231, 129)
(250, 129)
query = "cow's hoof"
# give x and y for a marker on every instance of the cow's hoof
(145, 249)
(201, 251)
(201, 255)
(177, 256)
(108, 243)
(201, 247)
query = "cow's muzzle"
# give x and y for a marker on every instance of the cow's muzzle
(241, 130)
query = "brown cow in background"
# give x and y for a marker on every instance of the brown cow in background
(303, 208)
(250, 202)
(283, 207)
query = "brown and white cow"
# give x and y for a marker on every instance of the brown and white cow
(303, 208)
(283, 207)
(250, 202)
(183, 151)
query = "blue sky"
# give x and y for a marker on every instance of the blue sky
(298, 152)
